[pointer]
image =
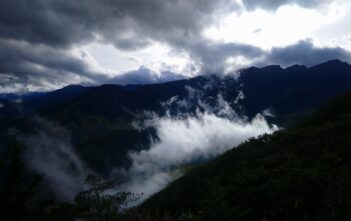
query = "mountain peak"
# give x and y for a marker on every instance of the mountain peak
(272, 67)
(296, 67)
(332, 63)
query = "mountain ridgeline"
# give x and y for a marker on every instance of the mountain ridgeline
(100, 119)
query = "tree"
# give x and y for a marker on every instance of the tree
(96, 204)
(17, 185)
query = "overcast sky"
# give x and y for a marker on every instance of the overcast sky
(47, 44)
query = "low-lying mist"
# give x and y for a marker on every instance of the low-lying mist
(185, 140)
(50, 152)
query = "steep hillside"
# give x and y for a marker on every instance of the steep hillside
(302, 173)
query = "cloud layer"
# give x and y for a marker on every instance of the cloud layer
(126, 24)
(184, 141)
(304, 52)
(50, 152)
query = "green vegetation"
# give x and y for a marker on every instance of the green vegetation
(302, 173)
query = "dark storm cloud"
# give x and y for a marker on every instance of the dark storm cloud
(212, 55)
(304, 52)
(25, 66)
(145, 76)
(25, 58)
(39, 21)
(127, 24)
(36, 35)
(275, 4)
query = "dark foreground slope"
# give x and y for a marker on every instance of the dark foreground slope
(303, 173)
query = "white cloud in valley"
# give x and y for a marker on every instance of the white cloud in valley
(187, 140)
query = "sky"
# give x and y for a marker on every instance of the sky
(48, 44)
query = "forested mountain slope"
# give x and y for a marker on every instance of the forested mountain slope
(302, 173)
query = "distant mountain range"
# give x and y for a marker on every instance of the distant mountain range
(101, 118)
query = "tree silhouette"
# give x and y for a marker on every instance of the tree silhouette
(17, 186)
(96, 204)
